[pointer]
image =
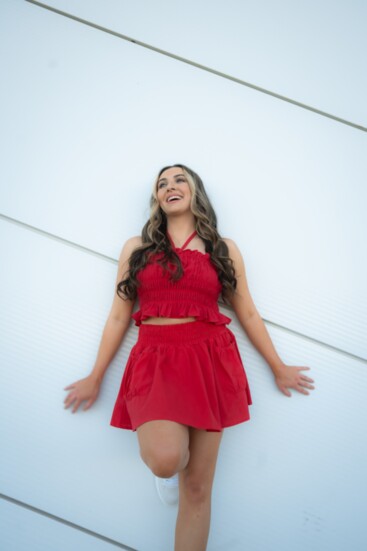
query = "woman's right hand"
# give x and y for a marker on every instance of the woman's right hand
(85, 390)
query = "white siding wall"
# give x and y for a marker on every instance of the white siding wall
(87, 119)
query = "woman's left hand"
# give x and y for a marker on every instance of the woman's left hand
(290, 376)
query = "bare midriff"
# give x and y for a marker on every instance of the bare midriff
(167, 321)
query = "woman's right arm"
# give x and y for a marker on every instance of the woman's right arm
(118, 321)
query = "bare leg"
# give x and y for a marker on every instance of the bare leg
(164, 446)
(196, 481)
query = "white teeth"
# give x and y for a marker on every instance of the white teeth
(173, 197)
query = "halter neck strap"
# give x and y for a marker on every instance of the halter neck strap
(190, 238)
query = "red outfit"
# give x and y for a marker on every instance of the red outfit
(192, 372)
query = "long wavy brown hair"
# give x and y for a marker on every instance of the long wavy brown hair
(155, 240)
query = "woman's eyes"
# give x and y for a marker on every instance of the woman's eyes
(178, 181)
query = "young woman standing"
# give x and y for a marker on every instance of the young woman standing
(184, 381)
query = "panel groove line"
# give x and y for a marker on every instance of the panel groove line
(66, 523)
(200, 66)
(102, 256)
(50, 235)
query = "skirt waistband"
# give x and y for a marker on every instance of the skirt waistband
(180, 333)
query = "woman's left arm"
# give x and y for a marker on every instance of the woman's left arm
(286, 376)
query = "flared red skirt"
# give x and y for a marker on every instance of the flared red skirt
(190, 373)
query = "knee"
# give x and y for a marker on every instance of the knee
(163, 464)
(196, 491)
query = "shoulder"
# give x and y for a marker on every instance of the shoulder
(235, 255)
(129, 246)
(233, 250)
(133, 242)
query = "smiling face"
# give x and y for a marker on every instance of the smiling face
(173, 191)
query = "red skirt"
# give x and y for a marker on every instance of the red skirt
(190, 373)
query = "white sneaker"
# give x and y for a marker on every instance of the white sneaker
(167, 489)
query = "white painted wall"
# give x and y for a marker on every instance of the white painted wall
(87, 120)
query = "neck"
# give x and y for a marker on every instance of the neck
(181, 226)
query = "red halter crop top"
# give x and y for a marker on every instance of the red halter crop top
(194, 295)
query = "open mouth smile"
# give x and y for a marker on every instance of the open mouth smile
(173, 198)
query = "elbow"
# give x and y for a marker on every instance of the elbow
(246, 318)
(123, 321)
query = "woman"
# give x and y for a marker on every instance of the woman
(184, 381)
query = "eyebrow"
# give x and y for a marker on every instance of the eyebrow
(175, 176)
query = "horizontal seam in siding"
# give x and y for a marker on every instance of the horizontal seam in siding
(65, 522)
(200, 66)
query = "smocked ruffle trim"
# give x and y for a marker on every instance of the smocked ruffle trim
(169, 310)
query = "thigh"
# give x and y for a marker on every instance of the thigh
(163, 436)
(204, 448)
